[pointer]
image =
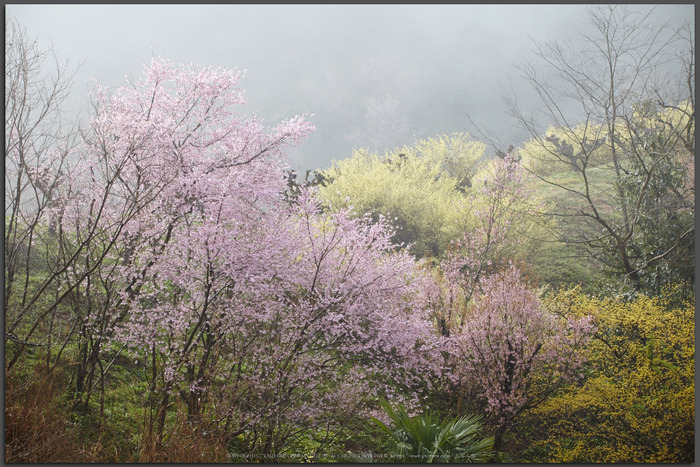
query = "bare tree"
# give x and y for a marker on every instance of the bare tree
(622, 105)
(38, 142)
(56, 287)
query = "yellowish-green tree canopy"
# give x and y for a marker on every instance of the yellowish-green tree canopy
(562, 150)
(419, 187)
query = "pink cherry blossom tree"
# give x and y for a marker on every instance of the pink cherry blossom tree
(183, 169)
(158, 156)
(504, 349)
(513, 351)
(274, 318)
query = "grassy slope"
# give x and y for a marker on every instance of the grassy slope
(560, 263)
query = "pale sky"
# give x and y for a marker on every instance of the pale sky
(373, 75)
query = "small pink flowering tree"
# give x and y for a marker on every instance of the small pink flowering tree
(504, 349)
(513, 351)
(498, 207)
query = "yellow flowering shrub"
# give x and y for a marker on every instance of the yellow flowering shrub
(638, 402)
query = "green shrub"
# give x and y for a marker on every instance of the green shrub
(426, 439)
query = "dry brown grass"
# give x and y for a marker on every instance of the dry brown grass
(37, 427)
(38, 430)
(188, 444)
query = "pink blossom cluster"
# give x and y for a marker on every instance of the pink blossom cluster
(513, 349)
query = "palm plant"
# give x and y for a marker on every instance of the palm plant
(425, 439)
